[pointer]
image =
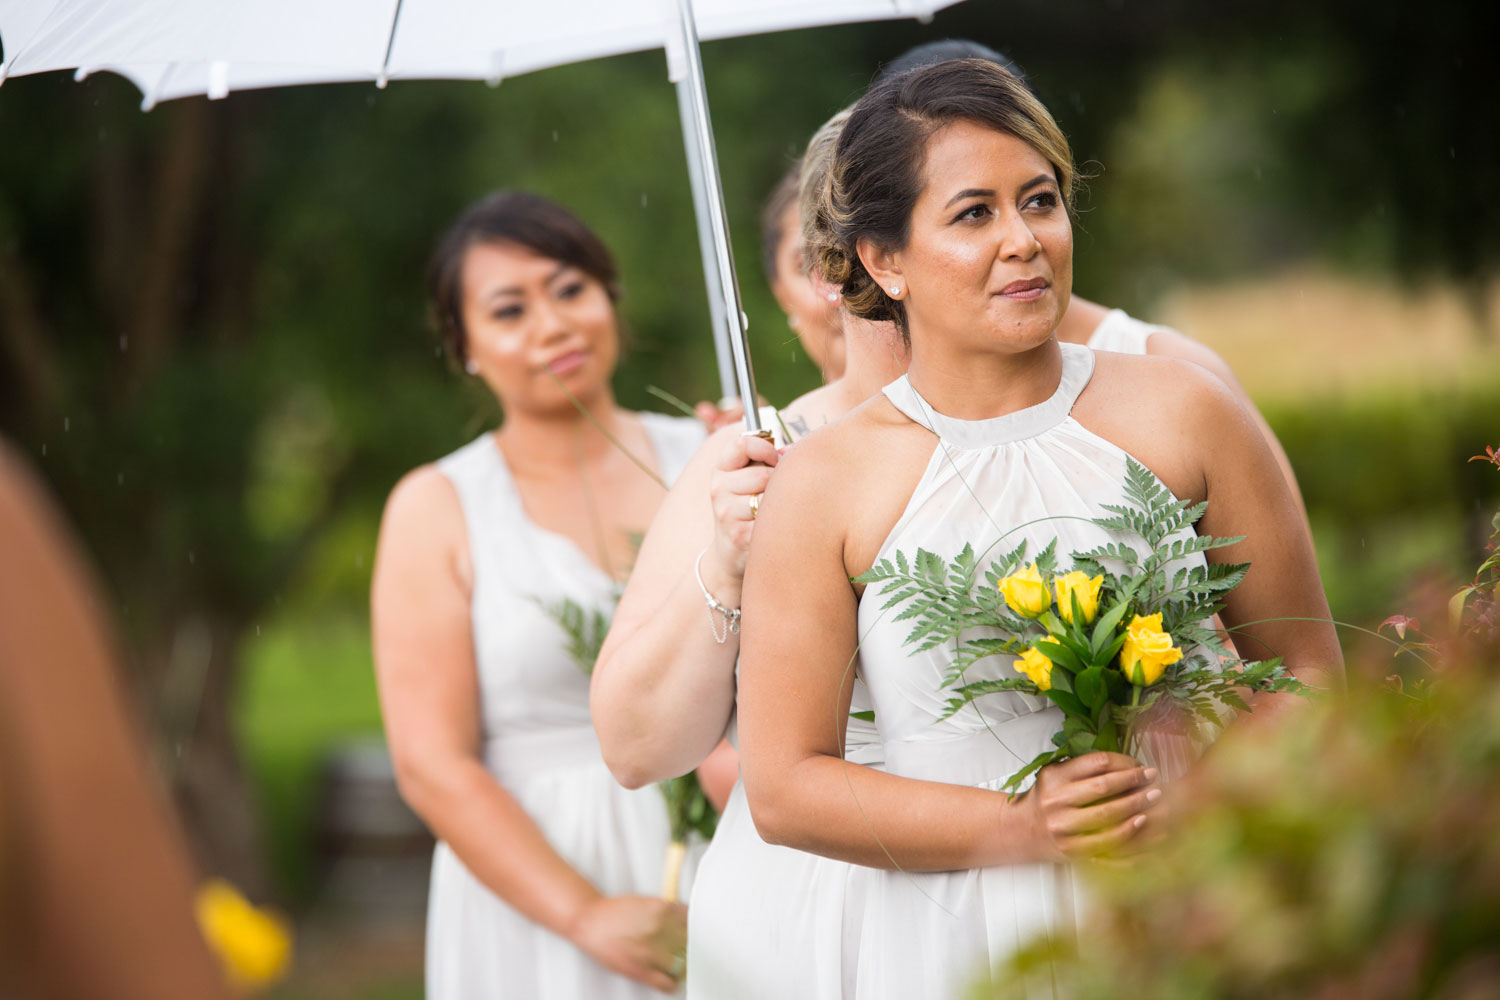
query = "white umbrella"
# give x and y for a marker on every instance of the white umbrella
(180, 48)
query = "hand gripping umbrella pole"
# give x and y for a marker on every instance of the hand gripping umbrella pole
(726, 312)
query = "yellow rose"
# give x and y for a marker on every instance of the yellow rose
(253, 946)
(1036, 667)
(1087, 590)
(1147, 650)
(1026, 592)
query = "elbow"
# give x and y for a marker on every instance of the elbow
(775, 818)
(629, 773)
(425, 781)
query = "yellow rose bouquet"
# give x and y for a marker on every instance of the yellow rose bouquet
(1123, 627)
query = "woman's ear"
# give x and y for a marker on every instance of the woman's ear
(884, 266)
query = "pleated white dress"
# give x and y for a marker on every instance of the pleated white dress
(749, 935)
(540, 744)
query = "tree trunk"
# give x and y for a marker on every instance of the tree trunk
(200, 670)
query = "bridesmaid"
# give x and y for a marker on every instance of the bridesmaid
(948, 214)
(1087, 322)
(812, 309)
(543, 876)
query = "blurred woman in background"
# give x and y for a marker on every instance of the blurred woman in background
(812, 311)
(543, 878)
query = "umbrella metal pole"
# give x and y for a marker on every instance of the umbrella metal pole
(708, 163)
(723, 353)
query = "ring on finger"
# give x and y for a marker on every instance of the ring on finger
(754, 506)
(678, 967)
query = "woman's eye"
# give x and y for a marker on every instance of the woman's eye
(972, 213)
(508, 313)
(571, 290)
(1047, 199)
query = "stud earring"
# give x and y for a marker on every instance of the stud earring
(833, 296)
(471, 366)
(895, 289)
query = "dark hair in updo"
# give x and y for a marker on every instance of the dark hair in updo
(930, 53)
(523, 219)
(876, 175)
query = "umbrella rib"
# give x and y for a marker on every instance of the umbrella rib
(8, 63)
(390, 45)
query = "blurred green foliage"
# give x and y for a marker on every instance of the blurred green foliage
(212, 331)
(1351, 855)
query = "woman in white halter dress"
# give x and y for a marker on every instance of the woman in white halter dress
(948, 876)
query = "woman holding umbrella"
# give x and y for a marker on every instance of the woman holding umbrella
(544, 875)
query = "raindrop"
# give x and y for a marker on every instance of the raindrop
(359, 561)
(177, 749)
(257, 629)
(554, 135)
(120, 478)
(124, 343)
(1452, 153)
(44, 451)
(1257, 171)
(66, 421)
(643, 199)
(192, 558)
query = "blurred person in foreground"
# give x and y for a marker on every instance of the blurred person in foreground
(96, 899)
(665, 686)
(543, 878)
(947, 212)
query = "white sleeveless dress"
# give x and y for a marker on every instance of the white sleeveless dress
(539, 743)
(929, 935)
(740, 911)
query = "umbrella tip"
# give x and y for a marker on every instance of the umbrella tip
(381, 80)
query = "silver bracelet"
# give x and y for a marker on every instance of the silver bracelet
(731, 616)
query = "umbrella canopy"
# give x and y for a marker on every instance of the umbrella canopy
(180, 48)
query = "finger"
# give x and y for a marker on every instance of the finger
(761, 450)
(734, 454)
(1098, 762)
(708, 413)
(1104, 842)
(1104, 815)
(1099, 787)
(746, 482)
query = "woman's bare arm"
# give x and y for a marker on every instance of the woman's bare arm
(794, 696)
(429, 696)
(663, 688)
(1247, 495)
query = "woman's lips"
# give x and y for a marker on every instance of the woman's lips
(1025, 291)
(566, 364)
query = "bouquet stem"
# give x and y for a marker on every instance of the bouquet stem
(671, 870)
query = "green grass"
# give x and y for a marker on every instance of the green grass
(307, 685)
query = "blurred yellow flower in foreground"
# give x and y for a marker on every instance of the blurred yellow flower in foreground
(254, 946)
(1087, 590)
(1026, 592)
(1035, 666)
(1147, 650)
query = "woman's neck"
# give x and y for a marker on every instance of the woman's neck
(542, 439)
(977, 386)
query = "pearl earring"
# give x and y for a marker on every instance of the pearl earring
(895, 289)
(471, 366)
